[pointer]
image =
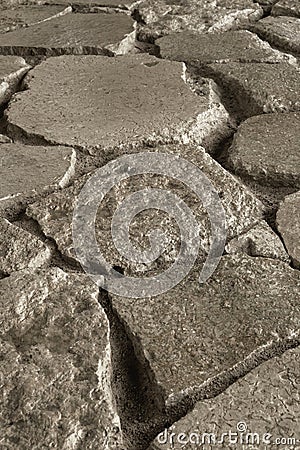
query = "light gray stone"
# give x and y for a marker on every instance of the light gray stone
(20, 249)
(56, 368)
(122, 4)
(124, 102)
(286, 8)
(12, 70)
(288, 223)
(265, 402)
(4, 139)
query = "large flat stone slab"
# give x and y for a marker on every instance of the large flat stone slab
(36, 170)
(288, 223)
(198, 336)
(271, 390)
(56, 368)
(12, 70)
(124, 102)
(101, 34)
(286, 8)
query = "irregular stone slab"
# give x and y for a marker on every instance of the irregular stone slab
(205, 333)
(122, 4)
(274, 396)
(288, 223)
(119, 107)
(282, 32)
(22, 16)
(100, 34)
(205, 48)
(254, 89)
(242, 209)
(20, 249)
(56, 368)
(12, 70)
(35, 170)
(265, 149)
(286, 8)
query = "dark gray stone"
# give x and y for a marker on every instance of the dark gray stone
(288, 223)
(286, 8)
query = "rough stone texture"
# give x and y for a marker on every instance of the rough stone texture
(55, 370)
(259, 241)
(20, 249)
(265, 149)
(123, 4)
(74, 34)
(4, 139)
(266, 400)
(205, 48)
(288, 223)
(195, 332)
(12, 70)
(286, 8)
(282, 32)
(124, 102)
(36, 170)
(253, 89)
(22, 16)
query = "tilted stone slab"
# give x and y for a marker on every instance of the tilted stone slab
(282, 32)
(258, 409)
(286, 8)
(195, 336)
(288, 223)
(56, 368)
(20, 249)
(101, 34)
(124, 102)
(12, 70)
(265, 149)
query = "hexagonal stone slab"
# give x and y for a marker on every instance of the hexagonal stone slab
(12, 70)
(286, 8)
(282, 32)
(56, 368)
(37, 170)
(274, 396)
(20, 249)
(197, 336)
(101, 34)
(265, 149)
(288, 223)
(124, 102)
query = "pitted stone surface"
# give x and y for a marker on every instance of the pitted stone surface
(266, 400)
(198, 331)
(265, 149)
(20, 249)
(282, 32)
(55, 369)
(286, 8)
(232, 46)
(74, 34)
(12, 70)
(35, 169)
(288, 223)
(124, 102)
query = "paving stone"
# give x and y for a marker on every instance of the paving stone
(21, 16)
(282, 32)
(266, 402)
(56, 368)
(286, 8)
(197, 333)
(232, 46)
(74, 34)
(288, 223)
(36, 170)
(124, 102)
(12, 70)
(254, 89)
(20, 249)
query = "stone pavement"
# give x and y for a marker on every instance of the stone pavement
(213, 83)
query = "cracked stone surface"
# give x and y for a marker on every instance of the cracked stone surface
(55, 370)
(288, 223)
(20, 249)
(286, 8)
(12, 70)
(282, 32)
(119, 107)
(37, 170)
(266, 401)
(74, 34)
